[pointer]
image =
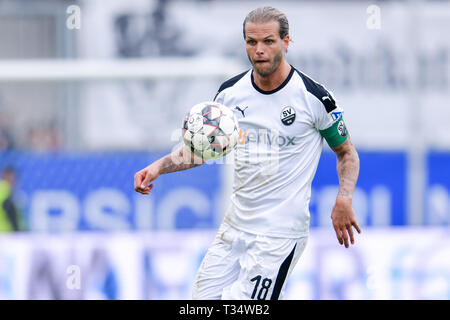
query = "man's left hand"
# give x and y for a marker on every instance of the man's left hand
(343, 217)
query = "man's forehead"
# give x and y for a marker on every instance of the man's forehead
(262, 29)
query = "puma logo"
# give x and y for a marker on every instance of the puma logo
(241, 110)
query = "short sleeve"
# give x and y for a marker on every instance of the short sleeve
(325, 111)
(329, 119)
(220, 95)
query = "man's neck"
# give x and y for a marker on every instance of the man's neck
(275, 79)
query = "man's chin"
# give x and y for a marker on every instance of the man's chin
(263, 72)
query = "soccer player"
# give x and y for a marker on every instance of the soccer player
(284, 117)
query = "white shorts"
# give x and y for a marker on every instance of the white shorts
(242, 266)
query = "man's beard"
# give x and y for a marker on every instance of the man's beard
(273, 66)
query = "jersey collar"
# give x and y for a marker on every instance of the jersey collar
(281, 86)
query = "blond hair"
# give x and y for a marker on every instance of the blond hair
(266, 14)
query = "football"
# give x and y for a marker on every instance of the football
(211, 130)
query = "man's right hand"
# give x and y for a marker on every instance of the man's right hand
(144, 177)
(181, 159)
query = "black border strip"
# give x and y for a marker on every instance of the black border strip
(282, 273)
(229, 83)
(319, 91)
(227, 309)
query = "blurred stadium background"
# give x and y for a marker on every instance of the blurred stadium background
(85, 103)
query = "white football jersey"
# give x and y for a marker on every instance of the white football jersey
(277, 153)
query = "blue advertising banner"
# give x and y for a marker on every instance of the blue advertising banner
(438, 192)
(95, 191)
(380, 197)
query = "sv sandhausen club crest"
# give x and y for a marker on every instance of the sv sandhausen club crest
(342, 130)
(287, 116)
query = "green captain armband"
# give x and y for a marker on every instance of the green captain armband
(336, 134)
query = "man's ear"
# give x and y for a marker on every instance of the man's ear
(286, 41)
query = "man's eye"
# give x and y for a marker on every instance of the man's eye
(251, 42)
(268, 41)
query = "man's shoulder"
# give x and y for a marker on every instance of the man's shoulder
(318, 91)
(232, 81)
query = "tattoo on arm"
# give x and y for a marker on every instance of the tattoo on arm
(347, 167)
(179, 160)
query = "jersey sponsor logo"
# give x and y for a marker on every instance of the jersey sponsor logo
(341, 128)
(238, 108)
(287, 116)
(242, 137)
(265, 137)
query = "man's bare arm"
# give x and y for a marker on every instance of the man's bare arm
(347, 168)
(343, 215)
(180, 159)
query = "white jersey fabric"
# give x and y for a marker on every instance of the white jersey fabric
(277, 153)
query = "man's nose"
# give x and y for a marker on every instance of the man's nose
(259, 49)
